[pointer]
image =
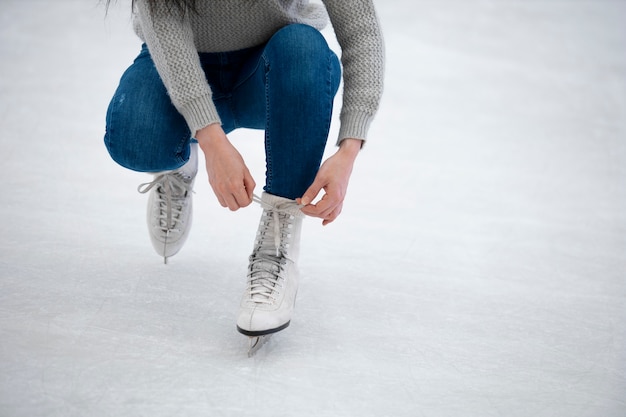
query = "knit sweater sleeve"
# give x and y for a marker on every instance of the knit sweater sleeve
(170, 40)
(358, 32)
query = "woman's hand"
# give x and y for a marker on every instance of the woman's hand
(229, 176)
(333, 178)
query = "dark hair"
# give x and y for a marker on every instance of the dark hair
(182, 5)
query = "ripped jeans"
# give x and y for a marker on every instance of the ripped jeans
(285, 87)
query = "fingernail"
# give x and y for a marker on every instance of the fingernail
(305, 201)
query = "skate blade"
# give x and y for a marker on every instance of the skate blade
(256, 342)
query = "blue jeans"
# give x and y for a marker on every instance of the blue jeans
(285, 87)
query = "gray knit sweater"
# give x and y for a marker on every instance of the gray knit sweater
(225, 25)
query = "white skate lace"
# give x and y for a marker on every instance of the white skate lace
(171, 191)
(266, 263)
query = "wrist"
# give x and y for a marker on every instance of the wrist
(351, 147)
(210, 135)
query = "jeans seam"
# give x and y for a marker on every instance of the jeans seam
(329, 94)
(268, 149)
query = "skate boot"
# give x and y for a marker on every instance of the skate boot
(268, 301)
(170, 206)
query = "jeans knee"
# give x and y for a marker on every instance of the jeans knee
(144, 152)
(125, 156)
(298, 36)
(299, 43)
(300, 57)
(146, 160)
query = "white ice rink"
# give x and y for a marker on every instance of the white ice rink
(478, 269)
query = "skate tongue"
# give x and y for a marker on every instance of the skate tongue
(171, 188)
(263, 276)
(280, 204)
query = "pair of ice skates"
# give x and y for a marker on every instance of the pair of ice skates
(272, 281)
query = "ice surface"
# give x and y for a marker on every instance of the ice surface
(478, 268)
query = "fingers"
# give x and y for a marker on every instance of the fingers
(249, 185)
(234, 201)
(335, 213)
(332, 216)
(331, 203)
(310, 194)
(328, 208)
(237, 195)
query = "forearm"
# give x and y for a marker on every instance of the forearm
(363, 57)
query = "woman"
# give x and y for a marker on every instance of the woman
(208, 67)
